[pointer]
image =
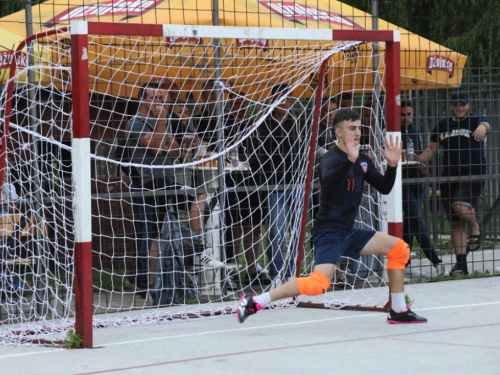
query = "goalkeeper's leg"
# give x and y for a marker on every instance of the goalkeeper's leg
(314, 284)
(398, 253)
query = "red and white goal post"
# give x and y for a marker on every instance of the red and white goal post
(98, 256)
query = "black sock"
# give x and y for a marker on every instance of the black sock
(462, 260)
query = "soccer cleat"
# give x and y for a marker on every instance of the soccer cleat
(246, 307)
(405, 317)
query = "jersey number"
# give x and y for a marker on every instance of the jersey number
(350, 184)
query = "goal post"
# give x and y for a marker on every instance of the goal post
(232, 136)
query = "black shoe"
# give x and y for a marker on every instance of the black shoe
(246, 307)
(405, 317)
(459, 270)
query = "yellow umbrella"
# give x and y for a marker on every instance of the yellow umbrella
(9, 41)
(424, 64)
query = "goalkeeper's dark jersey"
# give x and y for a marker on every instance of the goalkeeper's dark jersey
(342, 188)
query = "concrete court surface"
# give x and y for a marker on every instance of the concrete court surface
(462, 337)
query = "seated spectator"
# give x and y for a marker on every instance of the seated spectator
(8, 202)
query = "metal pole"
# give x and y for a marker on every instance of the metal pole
(34, 149)
(376, 82)
(219, 112)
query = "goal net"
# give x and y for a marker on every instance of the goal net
(199, 162)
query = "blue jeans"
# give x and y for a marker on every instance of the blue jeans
(283, 205)
(414, 224)
(146, 229)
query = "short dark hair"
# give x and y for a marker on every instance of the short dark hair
(345, 115)
(329, 99)
(146, 86)
(345, 96)
(208, 83)
(236, 95)
(406, 103)
(280, 88)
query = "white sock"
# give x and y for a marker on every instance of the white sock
(398, 303)
(263, 299)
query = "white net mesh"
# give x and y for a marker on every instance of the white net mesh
(199, 161)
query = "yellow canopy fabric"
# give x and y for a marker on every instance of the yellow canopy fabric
(424, 64)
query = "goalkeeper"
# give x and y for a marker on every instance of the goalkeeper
(342, 173)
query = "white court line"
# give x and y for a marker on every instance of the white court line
(151, 339)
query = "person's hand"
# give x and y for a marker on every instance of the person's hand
(160, 112)
(392, 152)
(189, 141)
(424, 169)
(480, 133)
(352, 147)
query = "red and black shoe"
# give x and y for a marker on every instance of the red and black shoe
(246, 307)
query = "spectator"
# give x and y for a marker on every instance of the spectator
(8, 206)
(414, 224)
(185, 136)
(280, 137)
(245, 214)
(329, 109)
(346, 100)
(9, 194)
(462, 138)
(206, 124)
(150, 145)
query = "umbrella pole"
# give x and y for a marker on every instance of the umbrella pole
(221, 164)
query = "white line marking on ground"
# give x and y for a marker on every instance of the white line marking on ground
(371, 314)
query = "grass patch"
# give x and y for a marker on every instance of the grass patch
(72, 340)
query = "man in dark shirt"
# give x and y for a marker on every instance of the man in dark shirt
(414, 224)
(281, 143)
(343, 171)
(462, 138)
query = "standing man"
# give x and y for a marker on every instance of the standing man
(281, 141)
(414, 224)
(343, 171)
(150, 145)
(462, 138)
(329, 109)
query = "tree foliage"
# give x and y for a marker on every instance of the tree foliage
(11, 6)
(470, 27)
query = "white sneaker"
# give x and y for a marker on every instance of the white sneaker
(207, 260)
(414, 273)
(441, 269)
(261, 270)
